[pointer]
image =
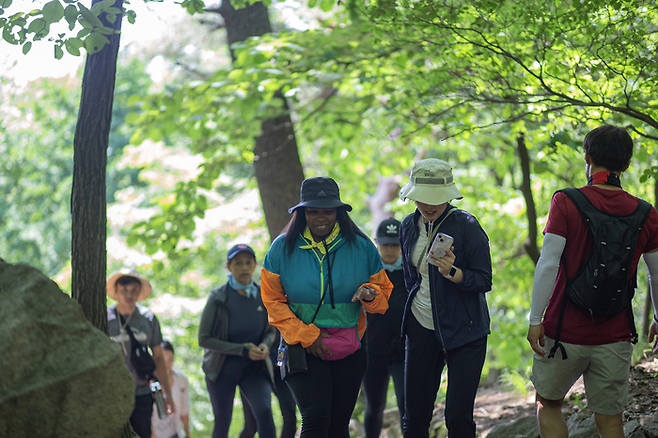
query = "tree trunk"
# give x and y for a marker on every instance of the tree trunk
(88, 202)
(277, 165)
(88, 205)
(531, 213)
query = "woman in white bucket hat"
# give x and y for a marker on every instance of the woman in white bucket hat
(446, 319)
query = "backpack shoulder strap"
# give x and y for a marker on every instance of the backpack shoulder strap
(581, 202)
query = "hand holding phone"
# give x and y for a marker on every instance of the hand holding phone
(441, 242)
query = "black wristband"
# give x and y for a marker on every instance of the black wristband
(245, 351)
(654, 318)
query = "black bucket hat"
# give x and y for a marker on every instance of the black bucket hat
(320, 192)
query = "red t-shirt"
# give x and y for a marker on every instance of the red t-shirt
(578, 326)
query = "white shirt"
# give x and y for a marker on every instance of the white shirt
(172, 425)
(421, 306)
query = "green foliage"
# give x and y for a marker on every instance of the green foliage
(26, 27)
(36, 145)
(519, 382)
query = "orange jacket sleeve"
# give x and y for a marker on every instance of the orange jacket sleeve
(293, 329)
(384, 287)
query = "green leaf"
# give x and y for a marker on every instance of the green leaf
(53, 11)
(326, 5)
(131, 15)
(71, 15)
(5, 3)
(26, 47)
(95, 42)
(72, 47)
(37, 26)
(59, 53)
(89, 16)
(84, 32)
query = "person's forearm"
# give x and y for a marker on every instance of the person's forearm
(651, 260)
(185, 419)
(545, 276)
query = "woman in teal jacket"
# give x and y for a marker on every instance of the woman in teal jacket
(323, 273)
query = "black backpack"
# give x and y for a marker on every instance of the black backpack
(604, 285)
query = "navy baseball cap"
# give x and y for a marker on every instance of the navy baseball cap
(387, 232)
(237, 249)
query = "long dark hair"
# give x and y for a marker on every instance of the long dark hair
(297, 225)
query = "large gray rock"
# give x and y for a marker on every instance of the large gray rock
(525, 427)
(580, 424)
(59, 375)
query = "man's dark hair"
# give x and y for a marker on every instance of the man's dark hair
(125, 280)
(166, 345)
(297, 225)
(609, 146)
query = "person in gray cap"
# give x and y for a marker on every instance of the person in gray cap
(319, 278)
(385, 346)
(446, 318)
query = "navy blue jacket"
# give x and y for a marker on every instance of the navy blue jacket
(459, 311)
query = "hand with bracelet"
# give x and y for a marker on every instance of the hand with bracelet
(447, 268)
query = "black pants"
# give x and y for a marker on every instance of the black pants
(326, 394)
(424, 362)
(140, 419)
(375, 387)
(256, 387)
(286, 403)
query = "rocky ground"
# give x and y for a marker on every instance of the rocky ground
(499, 405)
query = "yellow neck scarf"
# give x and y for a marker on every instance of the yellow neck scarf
(319, 245)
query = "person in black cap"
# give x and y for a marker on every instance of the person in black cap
(237, 339)
(320, 277)
(385, 345)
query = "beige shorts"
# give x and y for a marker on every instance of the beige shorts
(605, 370)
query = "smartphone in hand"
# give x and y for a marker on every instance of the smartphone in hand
(442, 241)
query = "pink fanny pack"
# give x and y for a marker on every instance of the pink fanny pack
(342, 343)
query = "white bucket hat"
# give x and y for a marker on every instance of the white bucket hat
(144, 292)
(431, 183)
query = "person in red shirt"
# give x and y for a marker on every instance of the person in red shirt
(598, 347)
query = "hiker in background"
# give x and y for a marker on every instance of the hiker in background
(385, 345)
(237, 339)
(128, 287)
(446, 318)
(286, 404)
(320, 277)
(178, 424)
(595, 346)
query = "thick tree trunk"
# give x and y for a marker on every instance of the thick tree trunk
(277, 165)
(531, 213)
(88, 205)
(88, 202)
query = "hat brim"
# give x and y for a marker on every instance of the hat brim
(431, 195)
(320, 203)
(387, 240)
(144, 292)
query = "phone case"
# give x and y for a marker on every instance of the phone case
(441, 242)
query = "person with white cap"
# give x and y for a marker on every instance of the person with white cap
(320, 277)
(128, 287)
(446, 318)
(237, 338)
